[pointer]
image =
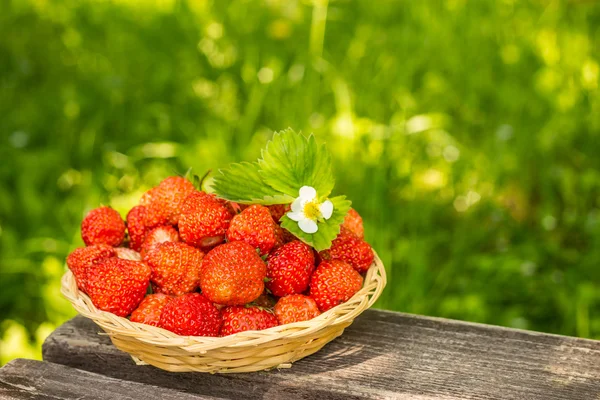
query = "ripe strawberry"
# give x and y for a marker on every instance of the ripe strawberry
(84, 257)
(279, 237)
(150, 309)
(264, 300)
(127, 254)
(282, 236)
(118, 286)
(239, 319)
(203, 221)
(289, 268)
(354, 223)
(158, 235)
(232, 274)
(175, 267)
(163, 202)
(233, 207)
(136, 226)
(103, 225)
(254, 226)
(351, 249)
(191, 315)
(295, 308)
(278, 210)
(333, 283)
(146, 198)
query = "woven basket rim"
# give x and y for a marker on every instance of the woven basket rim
(373, 285)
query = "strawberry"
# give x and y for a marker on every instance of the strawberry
(351, 249)
(289, 268)
(239, 319)
(279, 237)
(84, 257)
(117, 286)
(147, 197)
(150, 309)
(136, 226)
(158, 235)
(254, 226)
(233, 207)
(278, 210)
(265, 300)
(232, 274)
(175, 267)
(203, 221)
(333, 283)
(163, 202)
(127, 254)
(295, 308)
(353, 223)
(282, 236)
(191, 315)
(103, 225)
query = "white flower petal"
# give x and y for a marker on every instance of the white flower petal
(308, 193)
(297, 205)
(296, 216)
(326, 209)
(308, 225)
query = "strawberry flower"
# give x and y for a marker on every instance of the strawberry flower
(307, 211)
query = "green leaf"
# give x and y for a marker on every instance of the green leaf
(291, 161)
(328, 229)
(242, 183)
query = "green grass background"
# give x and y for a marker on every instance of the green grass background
(466, 133)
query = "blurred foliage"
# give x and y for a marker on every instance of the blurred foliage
(467, 135)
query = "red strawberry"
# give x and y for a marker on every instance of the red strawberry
(203, 221)
(333, 283)
(354, 223)
(175, 267)
(118, 286)
(239, 319)
(103, 225)
(278, 210)
(146, 198)
(136, 226)
(163, 202)
(127, 254)
(279, 237)
(150, 309)
(295, 308)
(157, 236)
(84, 257)
(191, 315)
(282, 236)
(289, 268)
(254, 226)
(233, 207)
(264, 300)
(351, 249)
(233, 274)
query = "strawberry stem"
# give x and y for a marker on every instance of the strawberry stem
(201, 180)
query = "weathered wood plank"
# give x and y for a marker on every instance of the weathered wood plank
(28, 379)
(382, 355)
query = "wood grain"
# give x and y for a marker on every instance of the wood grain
(28, 379)
(382, 355)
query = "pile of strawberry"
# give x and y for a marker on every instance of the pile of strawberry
(198, 265)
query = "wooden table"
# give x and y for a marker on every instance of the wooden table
(383, 355)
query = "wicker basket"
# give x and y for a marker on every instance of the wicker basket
(248, 351)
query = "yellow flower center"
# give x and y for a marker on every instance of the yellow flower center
(312, 211)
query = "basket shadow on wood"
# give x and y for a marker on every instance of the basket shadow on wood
(248, 351)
